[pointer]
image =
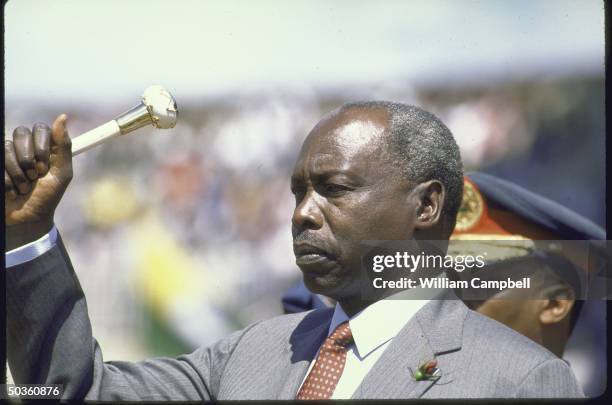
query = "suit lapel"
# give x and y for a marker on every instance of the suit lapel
(434, 331)
(300, 351)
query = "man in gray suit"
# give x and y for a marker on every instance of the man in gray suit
(367, 171)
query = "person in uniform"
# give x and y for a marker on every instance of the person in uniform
(498, 211)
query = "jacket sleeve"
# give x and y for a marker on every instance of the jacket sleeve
(49, 341)
(552, 378)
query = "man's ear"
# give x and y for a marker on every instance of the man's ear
(559, 299)
(430, 195)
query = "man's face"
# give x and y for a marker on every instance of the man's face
(528, 315)
(347, 190)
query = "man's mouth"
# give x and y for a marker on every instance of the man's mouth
(309, 256)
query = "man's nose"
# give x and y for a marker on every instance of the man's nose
(307, 214)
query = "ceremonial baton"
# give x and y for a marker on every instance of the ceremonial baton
(157, 108)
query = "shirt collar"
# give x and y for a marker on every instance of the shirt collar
(378, 323)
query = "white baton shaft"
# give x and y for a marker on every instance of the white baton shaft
(157, 108)
(95, 137)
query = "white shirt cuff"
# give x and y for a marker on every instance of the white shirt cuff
(32, 250)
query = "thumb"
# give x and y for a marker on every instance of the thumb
(61, 145)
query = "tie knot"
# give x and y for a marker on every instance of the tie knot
(342, 335)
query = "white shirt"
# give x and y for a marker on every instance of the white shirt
(32, 250)
(373, 330)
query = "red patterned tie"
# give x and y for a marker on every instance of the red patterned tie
(324, 375)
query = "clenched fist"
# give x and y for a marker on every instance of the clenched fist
(38, 169)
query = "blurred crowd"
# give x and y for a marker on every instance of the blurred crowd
(180, 237)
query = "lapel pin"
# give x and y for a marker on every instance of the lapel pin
(427, 371)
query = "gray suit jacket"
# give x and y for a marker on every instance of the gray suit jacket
(50, 341)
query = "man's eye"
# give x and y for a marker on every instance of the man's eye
(334, 189)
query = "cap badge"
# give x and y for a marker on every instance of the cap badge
(472, 208)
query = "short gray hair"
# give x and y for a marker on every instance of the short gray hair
(425, 149)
